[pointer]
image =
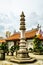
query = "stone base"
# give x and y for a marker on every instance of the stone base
(23, 60)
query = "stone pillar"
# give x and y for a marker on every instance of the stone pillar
(23, 52)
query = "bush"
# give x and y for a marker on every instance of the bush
(37, 45)
(4, 47)
(14, 48)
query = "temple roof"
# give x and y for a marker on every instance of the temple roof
(28, 34)
(2, 40)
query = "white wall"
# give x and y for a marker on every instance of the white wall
(30, 43)
(10, 43)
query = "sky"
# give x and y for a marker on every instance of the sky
(10, 11)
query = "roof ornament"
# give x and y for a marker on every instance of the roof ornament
(39, 32)
(38, 26)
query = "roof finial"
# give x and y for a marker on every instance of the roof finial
(38, 26)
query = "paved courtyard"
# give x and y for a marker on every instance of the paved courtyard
(39, 57)
(38, 62)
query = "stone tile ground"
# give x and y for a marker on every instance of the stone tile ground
(38, 62)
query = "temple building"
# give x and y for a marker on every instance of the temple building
(29, 36)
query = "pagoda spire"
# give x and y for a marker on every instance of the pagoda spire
(22, 21)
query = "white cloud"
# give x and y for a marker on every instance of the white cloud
(10, 11)
(10, 22)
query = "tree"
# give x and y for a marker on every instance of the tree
(37, 46)
(4, 47)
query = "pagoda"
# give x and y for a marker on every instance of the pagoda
(23, 53)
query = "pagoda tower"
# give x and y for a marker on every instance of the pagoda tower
(23, 52)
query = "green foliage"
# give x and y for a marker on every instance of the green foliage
(16, 47)
(4, 47)
(37, 46)
(13, 48)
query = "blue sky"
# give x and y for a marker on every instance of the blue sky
(10, 11)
